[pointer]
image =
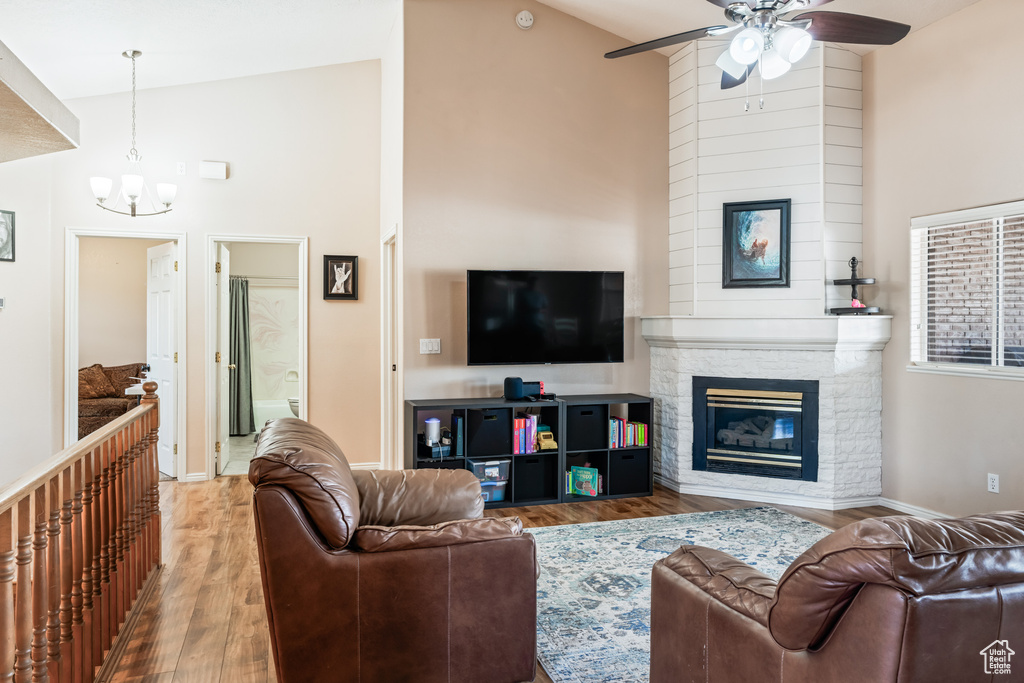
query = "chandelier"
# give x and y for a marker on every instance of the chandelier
(133, 187)
(768, 43)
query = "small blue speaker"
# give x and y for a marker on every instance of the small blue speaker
(513, 388)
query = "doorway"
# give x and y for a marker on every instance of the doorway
(256, 336)
(125, 307)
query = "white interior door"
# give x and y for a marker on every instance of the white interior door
(224, 348)
(161, 282)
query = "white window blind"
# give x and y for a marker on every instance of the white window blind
(967, 289)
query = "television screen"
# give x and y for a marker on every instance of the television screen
(519, 317)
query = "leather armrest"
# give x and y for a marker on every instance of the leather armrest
(392, 498)
(375, 539)
(732, 582)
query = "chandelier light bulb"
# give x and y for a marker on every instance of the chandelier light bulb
(747, 45)
(792, 43)
(730, 66)
(773, 65)
(131, 185)
(166, 192)
(101, 188)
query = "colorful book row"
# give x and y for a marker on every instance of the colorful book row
(524, 433)
(624, 434)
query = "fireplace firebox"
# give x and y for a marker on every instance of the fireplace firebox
(759, 427)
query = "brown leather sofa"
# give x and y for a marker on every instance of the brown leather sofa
(386, 576)
(889, 599)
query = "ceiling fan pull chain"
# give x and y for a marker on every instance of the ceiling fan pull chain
(760, 82)
(746, 94)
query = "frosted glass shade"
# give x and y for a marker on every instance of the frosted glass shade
(166, 192)
(746, 47)
(100, 188)
(730, 66)
(792, 43)
(131, 187)
(773, 65)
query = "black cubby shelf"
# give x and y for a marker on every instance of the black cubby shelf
(579, 424)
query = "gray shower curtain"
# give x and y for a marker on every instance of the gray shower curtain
(240, 417)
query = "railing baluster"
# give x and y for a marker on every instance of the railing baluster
(87, 554)
(52, 576)
(75, 670)
(66, 517)
(105, 586)
(39, 593)
(23, 607)
(7, 596)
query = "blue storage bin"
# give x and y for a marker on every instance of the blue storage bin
(493, 491)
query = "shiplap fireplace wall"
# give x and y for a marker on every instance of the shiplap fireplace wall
(804, 145)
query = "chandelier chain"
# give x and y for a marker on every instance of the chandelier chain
(133, 106)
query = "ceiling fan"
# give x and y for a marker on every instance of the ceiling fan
(769, 38)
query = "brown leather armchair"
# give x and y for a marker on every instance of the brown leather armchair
(889, 599)
(386, 575)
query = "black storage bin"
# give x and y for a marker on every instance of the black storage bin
(446, 464)
(586, 427)
(489, 432)
(536, 477)
(629, 471)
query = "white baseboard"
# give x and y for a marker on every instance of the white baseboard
(195, 476)
(908, 509)
(797, 499)
(365, 466)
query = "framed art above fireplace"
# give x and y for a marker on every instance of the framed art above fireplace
(755, 244)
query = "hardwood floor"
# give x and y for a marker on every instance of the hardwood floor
(205, 620)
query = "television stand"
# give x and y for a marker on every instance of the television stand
(580, 426)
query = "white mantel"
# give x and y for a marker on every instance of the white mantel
(819, 333)
(843, 354)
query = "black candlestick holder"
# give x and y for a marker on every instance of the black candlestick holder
(855, 282)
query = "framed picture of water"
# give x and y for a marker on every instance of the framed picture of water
(755, 244)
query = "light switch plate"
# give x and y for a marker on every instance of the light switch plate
(430, 346)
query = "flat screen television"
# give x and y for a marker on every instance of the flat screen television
(521, 317)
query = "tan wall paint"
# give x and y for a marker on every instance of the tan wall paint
(112, 300)
(942, 132)
(264, 259)
(29, 425)
(304, 150)
(527, 149)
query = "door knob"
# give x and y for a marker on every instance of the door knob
(232, 367)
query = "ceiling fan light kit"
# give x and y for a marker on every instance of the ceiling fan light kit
(772, 40)
(133, 185)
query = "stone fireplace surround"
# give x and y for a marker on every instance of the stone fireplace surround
(844, 354)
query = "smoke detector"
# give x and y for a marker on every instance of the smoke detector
(524, 20)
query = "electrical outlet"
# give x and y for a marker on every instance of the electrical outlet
(993, 483)
(181, 168)
(430, 346)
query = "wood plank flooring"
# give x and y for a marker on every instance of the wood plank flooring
(205, 620)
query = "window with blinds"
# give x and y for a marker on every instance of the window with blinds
(967, 288)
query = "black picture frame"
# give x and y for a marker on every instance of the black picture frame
(7, 236)
(756, 244)
(348, 288)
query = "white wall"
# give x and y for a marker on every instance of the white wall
(527, 150)
(942, 132)
(112, 300)
(29, 424)
(805, 145)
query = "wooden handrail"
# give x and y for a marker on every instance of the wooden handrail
(79, 542)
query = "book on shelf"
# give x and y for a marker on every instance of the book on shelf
(623, 434)
(457, 434)
(584, 480)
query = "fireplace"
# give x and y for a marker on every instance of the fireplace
(759, 427)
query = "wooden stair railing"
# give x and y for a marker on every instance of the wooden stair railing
(79, 544)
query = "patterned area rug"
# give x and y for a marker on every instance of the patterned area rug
(594, 591)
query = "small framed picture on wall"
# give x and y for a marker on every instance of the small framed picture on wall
(755, 244)
(6, 235)
(341, 277)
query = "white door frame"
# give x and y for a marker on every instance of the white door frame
(71, 308)
(211, 333)
(392, 383)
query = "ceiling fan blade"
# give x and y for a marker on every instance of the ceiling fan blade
(662, 42)
(730, 82)
(724, 4)
(838, 27)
